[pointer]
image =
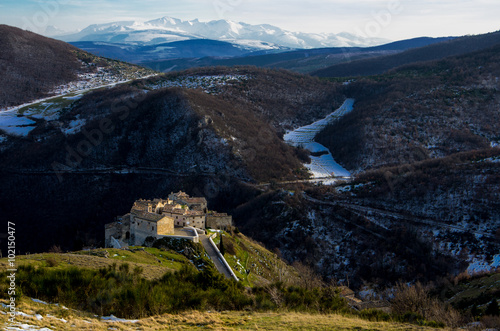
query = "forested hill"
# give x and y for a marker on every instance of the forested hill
(33, 66)
(379, 65)
(424, 110)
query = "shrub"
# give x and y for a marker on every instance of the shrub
(51, 262)
(374, 315)
(413, 304)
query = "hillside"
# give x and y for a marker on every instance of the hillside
(207, 132)
(379, 65)
(253, 264)
(303, 61)
(169, 285)
(420, 111)
(34, 67)
(420, 142)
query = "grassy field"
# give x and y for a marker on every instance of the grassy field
(154, 262)
(57, 317)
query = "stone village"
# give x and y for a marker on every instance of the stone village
(159, 218)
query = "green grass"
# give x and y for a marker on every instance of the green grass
(155, 262)
(478, 291)
(243, 255)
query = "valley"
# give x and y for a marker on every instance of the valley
(381, 181)
(322, 166)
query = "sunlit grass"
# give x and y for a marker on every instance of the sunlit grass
(196, 320)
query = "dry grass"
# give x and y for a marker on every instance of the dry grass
(195, 320)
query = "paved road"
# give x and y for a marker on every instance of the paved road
(213, 256)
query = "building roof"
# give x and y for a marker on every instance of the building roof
(151, 217)
(194, 213)
(180, 195)
(141, 205)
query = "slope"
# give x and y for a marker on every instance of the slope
(206, 132)
(437, 51)
(34, 66)
(303, 61)
(431, 109)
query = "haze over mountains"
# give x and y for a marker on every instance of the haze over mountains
(168, 29)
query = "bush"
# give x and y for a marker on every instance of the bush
(413, 304)
(51, 262)
(374, 315)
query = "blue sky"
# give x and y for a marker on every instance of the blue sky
(391, 19)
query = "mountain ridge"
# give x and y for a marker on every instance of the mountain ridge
(167, 29)
(379, 65)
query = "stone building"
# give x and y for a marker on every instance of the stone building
(134, 227)
(158, 217)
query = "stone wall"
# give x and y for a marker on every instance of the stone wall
(120, 230)
(165, 226)
(219, 221)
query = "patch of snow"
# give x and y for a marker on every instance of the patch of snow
(323, 166)
(39, 301)
(75, 97)
(56, 318)
(22, 326)
(480, 266)
(496, 261)
(16, 125)
(207, 83)
(74, 126)
(113, 318)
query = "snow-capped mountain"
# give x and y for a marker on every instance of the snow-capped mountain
(168, 29)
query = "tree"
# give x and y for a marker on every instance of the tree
(221, 246)
(492, 309)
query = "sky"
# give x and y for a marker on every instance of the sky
(389, 19)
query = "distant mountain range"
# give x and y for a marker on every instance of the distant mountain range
(302, 61)
(255, 37)
(432, 51)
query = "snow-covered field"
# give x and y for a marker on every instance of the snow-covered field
(15, 120)
(12, 124)
(207, 83)
(323, 166)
